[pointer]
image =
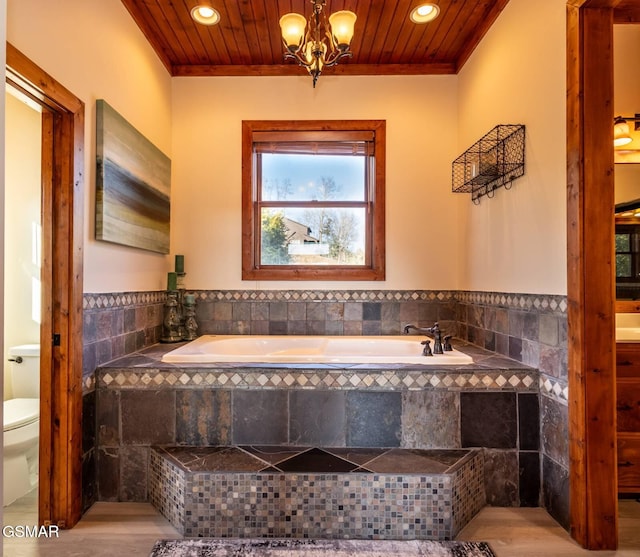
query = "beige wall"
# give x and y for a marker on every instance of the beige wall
(516, 242)
(423, 248)
(435, 239)
(22, 202)
(97, 52)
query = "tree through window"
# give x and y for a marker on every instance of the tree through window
(313, 200)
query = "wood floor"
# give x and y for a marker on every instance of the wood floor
(130, 529)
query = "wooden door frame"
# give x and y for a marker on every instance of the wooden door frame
(60, 481)
(593, 486)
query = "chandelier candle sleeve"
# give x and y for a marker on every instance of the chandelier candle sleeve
(172, 281)
(179, 264)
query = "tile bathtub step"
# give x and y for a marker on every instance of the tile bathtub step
(312, 460)
(317, 492)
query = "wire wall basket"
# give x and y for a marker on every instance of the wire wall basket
(492, 162)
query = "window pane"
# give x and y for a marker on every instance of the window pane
(313, 236)
(313, 177)
(623, 242)
(623, 265)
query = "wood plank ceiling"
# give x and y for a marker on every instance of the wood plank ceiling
(247, 39)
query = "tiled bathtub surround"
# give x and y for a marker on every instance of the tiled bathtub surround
(250, 492)
(533, 330)
(118, 324)
(301, 312)
(529, 328)
(142, 401)
(113, 325)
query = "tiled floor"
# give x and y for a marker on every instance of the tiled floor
(130, 529)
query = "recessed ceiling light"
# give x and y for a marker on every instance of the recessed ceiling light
(424, 13)
(205, 15)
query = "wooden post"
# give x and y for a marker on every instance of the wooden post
(590, 274)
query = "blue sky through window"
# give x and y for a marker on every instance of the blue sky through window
(305, 173)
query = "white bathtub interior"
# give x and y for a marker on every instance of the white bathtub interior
(311, 349)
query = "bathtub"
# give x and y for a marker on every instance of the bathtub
(311, 349)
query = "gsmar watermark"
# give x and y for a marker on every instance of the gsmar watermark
(25, 531)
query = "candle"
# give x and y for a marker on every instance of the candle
(190, 299)
(180, 264)
(172, 281)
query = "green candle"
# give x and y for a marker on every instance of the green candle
(172, 281)
(179, 263)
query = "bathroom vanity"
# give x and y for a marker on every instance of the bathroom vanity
(628, 402)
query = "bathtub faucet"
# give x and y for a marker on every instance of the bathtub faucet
(434, 332)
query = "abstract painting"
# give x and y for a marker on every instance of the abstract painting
(133, 183)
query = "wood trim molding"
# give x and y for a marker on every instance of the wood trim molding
(60, 493)
(628, 306)
(591, 287)
(294, 70)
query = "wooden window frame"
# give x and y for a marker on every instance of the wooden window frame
(374, 268)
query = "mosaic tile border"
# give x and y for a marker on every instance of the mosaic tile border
(539, 302)
(327, 379)
(88, 383)
(554, 388)
(327, 295)
(301, 505)
(121, 299)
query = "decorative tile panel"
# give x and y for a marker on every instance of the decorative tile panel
(554, 388)
(355, 505)
(530, 302)
(396, 380)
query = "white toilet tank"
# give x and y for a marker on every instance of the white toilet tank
(25, 370)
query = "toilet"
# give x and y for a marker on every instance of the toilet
(21, 423)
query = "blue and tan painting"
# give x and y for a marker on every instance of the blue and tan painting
(133, 185)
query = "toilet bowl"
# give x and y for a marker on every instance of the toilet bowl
(21, 424)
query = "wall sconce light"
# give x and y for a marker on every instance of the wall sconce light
(621, 134)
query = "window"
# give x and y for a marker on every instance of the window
(627, 241)
(313, 200)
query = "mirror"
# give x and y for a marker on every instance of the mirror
(627, 237)
(626, 42)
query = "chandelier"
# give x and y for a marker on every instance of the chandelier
(321, 44)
